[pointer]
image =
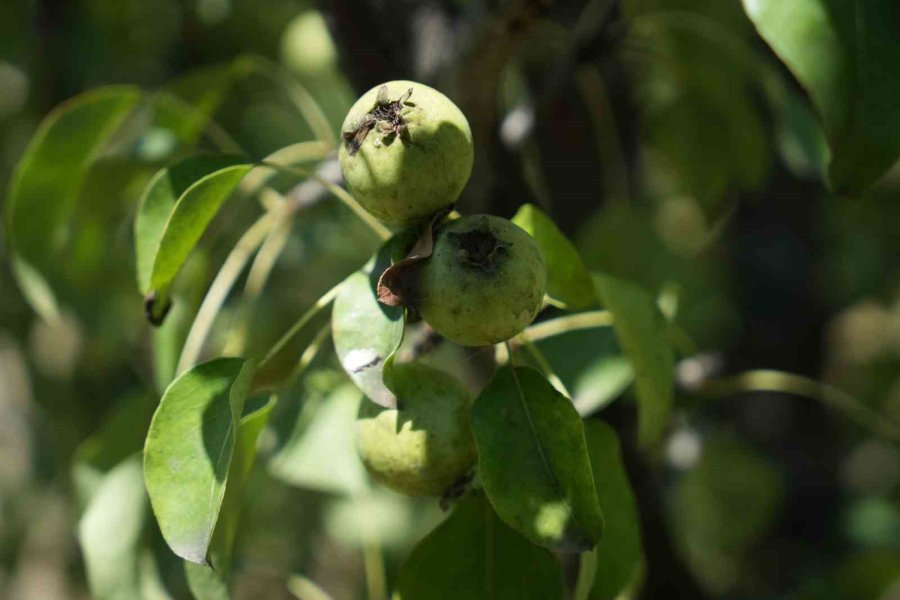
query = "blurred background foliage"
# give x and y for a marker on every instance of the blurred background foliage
(662, 135)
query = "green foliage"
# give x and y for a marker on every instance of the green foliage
(844, 54)
(110, 532)
(533, 463)
(44, 191)
(474, 554)
(190, 451)
(158, 210)
(367, 333)
(643, 333)
(320, 453)
(618, 555)
(684, 240)
(568, 281)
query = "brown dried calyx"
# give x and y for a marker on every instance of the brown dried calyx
(385, 117)
(480, 248)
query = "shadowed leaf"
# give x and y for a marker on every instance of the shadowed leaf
(845, 55)
(533, 462)
(618, 555)
(46, 183)
(642, 333)
(474, 555)
(568, 280)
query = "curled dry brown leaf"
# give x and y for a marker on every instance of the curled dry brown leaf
(397, 283)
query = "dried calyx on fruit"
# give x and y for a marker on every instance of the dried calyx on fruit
(405, 182)
(483, 283)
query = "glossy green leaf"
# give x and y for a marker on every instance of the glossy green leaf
(845, 54)
(694, 70)
(474, 555)
(568, 280)
(210, 583)
(45, 185)
(618, 555)
(158, 203)
(188, 218)
(204, 583)
(533, 462)
(642, 333)
(189, 451)
(110, 533)
(321, 452)
(367, 333)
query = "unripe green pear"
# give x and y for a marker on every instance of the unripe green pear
(406, 152)
(425, 445)
(484, 283)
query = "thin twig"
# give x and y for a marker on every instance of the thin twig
(221, 286)
(789, 383)
(305, 318)
(341, 194)
(554, 327)
(544, 364)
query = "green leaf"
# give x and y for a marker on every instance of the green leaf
(189, 451)
(206, 583)
(158, 202)
(533, 462)
(618, 555)
(568, 280)
(321, 452)
(474, 555)
(48, 178)
(110, 533)
(164, 242)
(643, 335)
(251, 425)
(367, 333)
(845, 54)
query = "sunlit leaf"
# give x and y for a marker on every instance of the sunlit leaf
(158, 202)
(642, 333)
(533, 462)
(845, 55)
(189, 452)
(568, 280)
(210, 583)
(367, 333)
(110, 533)
(618, 555)
(45, 185)
(475, 555)
(165, 241)
(321, 452)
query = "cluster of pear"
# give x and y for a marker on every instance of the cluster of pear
(406, 156)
